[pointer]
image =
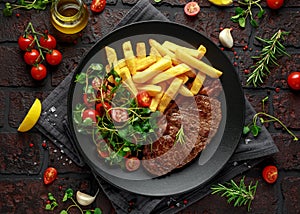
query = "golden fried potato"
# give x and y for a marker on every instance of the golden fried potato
(163, 50)
(129, 57)
(151, 89)
(124, 73)
(111, 56)
(141, 50)
(172, 47)
(197, 83)
(144, 63)
(157, 97)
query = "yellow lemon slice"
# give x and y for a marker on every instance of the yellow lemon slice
(31, 117)
(221, 2)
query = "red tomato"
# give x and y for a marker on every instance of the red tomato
(89, 99)
(54, 57)
(270, 174)
(294, 80)
(275, 4)
(191, 8)
(98, 5)
(26, 42)
(100, 108)
(31, 57)
(90, 113)
(38, 72)
(144, 99)
(48, 41)
(132, 164)
(50, 175)
(119, 115)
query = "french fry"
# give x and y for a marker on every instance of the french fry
(172, 47)
(140, 50)
(144, 63)
(151, 89)
(156, 99)
(198, 64)
(124, 73)
(163, 50)
(154, 52)
(160, 66)
(171, 73)
(183, 90)
(197, 83)
(129, 57)
(170, 94)
(111, 56)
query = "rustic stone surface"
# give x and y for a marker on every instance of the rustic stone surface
(2, 108)
(291, 192)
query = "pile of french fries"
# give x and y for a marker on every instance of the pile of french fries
(163, 73)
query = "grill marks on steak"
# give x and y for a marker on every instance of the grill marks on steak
(199, 119)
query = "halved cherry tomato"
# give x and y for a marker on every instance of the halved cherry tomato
(98, 5)
(31, 57)
(38, 72)
(54, 57)
(192, 8)
(48, 41)
(102, 108)
(143, 99)
(91, 114)
(132, 164)
(26, 42)
(50, 175)
(294, 80)
(275, 4)
(119, 115)
(270, 174)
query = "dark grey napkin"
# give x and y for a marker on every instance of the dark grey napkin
(53, 124)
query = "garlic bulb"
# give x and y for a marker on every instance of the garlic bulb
(226, 38)
(85, 199)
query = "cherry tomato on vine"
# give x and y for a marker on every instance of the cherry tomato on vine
(54, 57)
(143, 99)
(275, 4)
(98, 5)
(132, 164)
(26, 42)
(48, 41)
(270, 174)
(294, 80)
(192, 8)
(31, 57)
(90, 114)
(50, 175)
(38, 72)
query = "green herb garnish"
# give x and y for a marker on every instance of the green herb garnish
(28, 5)
(267, 57)
(241, 14)
(240, 194)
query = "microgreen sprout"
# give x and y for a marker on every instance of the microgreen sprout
(23, 4)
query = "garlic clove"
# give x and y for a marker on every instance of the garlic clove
(85, 199)
(225, 38)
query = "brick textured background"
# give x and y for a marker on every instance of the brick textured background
(22, 166)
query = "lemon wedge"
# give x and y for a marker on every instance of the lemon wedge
(221, 2)
(31, 117)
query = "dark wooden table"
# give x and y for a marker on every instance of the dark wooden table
(23, 159)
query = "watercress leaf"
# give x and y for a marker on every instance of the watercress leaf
(63, 212)
(97, 211)
(255, 130)
(88, 212)
(48, 207)
(235, 18)
(65, 198)
(7, 11)
(246, 130)
(261, 13)
(253, 23)
(239, 10)
(69, 192)
(126, 149)
(242, 21)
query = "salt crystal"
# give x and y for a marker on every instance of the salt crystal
(55, 115)
(52, 109)
(62, 151)
(70, 162)
(247, 141)
(235, 163)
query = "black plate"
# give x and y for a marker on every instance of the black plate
(218, 151)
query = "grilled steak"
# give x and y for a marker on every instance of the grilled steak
(199, 123)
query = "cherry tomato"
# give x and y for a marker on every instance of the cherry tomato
(101, 109)
(31, 57)
(270, 174)
(89, 99)
(50, 175)
(294, 80)
(48, 41)
(132, 164)
(191, 8)
(98, 5)
(275, 4)
(91, 114)
(54, 57)
(144, 99)
(38, 72)
(26, 42)
(119, 115)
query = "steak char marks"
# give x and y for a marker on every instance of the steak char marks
(199, 121)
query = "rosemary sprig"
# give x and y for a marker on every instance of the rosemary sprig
(180, 136)
(268, 56)
(239, 194)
